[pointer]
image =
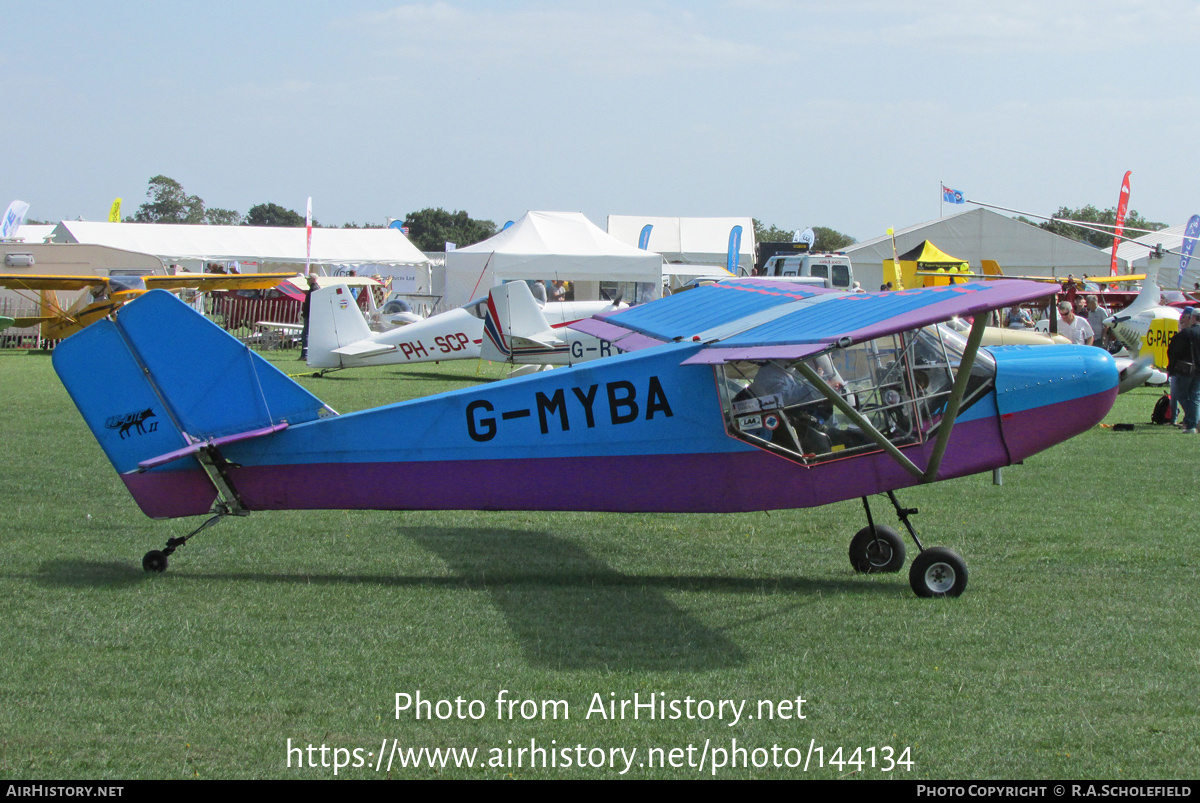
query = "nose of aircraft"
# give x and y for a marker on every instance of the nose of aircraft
(1047, 394)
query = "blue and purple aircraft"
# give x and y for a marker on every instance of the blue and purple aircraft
(744, 395)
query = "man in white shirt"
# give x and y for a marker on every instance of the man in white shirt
(1073, 327)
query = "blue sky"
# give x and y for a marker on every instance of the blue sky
(797, 113)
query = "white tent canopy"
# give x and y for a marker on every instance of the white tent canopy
(259, 248)
(546, 246)
(978, 234)
(694, 240)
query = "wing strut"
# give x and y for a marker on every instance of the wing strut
(858, 418)
(947, 423)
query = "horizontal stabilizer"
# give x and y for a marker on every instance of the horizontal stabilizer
(364, 348)
(179, 454)
(22, 323)
(519, 343)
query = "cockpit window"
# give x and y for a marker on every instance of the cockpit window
(900, 384)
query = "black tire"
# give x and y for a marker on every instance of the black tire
(880, 552)
(938, 572)
(154, 561)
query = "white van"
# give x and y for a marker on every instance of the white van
(835, 268)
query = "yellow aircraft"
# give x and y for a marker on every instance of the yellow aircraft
(991, 271)
(106, 294)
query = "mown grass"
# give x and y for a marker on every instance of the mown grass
(1074, 652)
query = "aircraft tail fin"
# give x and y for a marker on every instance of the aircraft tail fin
(1151, 294)
(146, 398)
(515, 326)
(334, 322)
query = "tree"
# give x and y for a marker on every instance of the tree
(274, 215)
(431, 229)
(831, 239)
(169, 204)
(773, 234)
(1102, 236)
(827, 239)
(222, 217)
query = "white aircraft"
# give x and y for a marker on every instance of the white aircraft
(516, 330)
(338, 336)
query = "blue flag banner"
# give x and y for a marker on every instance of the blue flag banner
(735, 247)
(1189, 242)
(952, 196)
(644, 237)
(13, 218)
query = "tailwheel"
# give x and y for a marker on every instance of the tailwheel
(938, 572)
(154, 561)
(877, 550)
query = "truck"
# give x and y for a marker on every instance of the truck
(794, 259)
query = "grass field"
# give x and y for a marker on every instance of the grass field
(1074, 653)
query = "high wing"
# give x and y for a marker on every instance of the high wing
(179, 281)
(740, 319)
(25, 281)
(61, 321)
(217, 281)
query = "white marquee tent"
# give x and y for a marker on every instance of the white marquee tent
(690, 240)
(258, 249)
(547, 246)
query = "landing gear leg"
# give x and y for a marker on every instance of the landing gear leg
(903, 513)
(876, 548)
(156, 560)
(935, 572)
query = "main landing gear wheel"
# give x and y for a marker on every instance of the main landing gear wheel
(938, 572)
(154, 561)
(878, 552)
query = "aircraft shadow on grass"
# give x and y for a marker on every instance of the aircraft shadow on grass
(567, 609)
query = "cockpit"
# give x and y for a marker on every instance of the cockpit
(898, 385)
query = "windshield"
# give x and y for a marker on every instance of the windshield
(899, 385)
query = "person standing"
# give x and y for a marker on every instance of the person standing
(1095, 317)
(1182, 354)
(1073, 327)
